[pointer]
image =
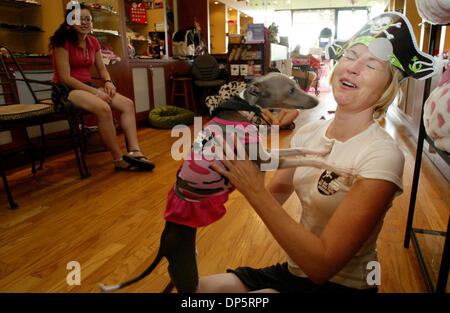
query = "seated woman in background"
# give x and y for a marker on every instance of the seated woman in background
(74, 52)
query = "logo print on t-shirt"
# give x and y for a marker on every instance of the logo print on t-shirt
(327, 184)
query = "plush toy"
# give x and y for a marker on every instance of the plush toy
(273, 33)
(436, 113)
(434, 11)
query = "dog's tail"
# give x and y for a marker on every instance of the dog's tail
(150, 269)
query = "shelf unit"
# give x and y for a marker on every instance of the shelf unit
(157, 25)
(253, 55)
(24, 18)
(411, 232)
(107, 24)
(21, 30)
(18, 4)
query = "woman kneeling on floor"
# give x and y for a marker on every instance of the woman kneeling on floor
(334, 245)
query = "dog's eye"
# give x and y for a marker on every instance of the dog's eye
(291, 91)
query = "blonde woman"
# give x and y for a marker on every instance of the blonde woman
(330, 248)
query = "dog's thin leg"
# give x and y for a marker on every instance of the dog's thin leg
(317, 163)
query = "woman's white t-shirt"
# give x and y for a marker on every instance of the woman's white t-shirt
(371, 154)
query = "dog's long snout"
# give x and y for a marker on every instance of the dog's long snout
(309, 103)
(300, 100)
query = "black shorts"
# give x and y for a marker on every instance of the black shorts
(279, 278)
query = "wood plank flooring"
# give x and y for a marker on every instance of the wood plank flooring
(111, 222)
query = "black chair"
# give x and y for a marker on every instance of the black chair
(325, 37)
(208, 77)
(49, 104)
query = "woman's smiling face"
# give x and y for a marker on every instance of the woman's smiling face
(360, 79)
(85, 25)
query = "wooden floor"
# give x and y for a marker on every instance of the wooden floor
(111, 222)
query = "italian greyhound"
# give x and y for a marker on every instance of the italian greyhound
(198, 196)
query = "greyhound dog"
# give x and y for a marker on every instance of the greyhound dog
(198, 196)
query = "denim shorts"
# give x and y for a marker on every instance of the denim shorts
(91, 84)
(279, 278)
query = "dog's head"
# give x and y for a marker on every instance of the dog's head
(276, 90)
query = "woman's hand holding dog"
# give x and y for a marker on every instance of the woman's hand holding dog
(243, 174)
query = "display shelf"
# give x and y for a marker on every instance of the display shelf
(21, 30)
(18, 4)
(140, 40)
(243, 61)
(102, 12)
(109, 33)
(246, 60)
(132, 24)
(410, 234)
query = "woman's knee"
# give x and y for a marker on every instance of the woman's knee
(76, 97)
(221, 283)
(123, 104)
(103, 111)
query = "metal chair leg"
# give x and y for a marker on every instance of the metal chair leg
(44, 146)
(83, 145)
(12, 204)
(30, 150)
(77, 144)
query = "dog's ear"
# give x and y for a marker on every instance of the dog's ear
(252, 93)
(254, 89)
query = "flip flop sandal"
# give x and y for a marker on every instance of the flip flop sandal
(130, 167)
(140, 162)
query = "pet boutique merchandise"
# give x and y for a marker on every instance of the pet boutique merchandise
(434, 11)
(183, 43)
(436, 113)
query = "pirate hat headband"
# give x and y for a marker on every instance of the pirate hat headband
(389, 37)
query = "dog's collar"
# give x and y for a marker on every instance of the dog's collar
(237, 103)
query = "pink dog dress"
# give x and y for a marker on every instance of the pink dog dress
(197, 198)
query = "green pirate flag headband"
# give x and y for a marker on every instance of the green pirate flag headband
(389, 37)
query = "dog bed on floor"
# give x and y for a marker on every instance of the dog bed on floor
(168, 116)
